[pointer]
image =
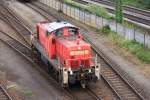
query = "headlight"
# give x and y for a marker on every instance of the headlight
(82, 74)
(71, 73)
(65, 72)
(97, 69)
(79, 52)
(89, 70)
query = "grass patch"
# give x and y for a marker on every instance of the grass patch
(91, 8)
(143, 4)
(28, 92)
(142, 53)
(106, 29)
(129, 25)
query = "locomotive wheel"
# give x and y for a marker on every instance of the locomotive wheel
(35, 53)
(60, 78)
(48, 68)
(83, 83)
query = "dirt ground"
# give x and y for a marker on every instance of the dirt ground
(138, 71)
(25, 77)
(31, 17)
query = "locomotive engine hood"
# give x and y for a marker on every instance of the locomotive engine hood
(78, 51)
(73, 43)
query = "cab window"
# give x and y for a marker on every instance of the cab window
(58, 32)
(72, 31)
(47, 33)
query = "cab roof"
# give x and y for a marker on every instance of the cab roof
(57, 25)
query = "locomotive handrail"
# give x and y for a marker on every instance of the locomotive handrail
(93, 58)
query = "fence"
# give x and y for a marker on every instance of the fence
(129, 32)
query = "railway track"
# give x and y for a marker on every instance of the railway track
(3, 94)
(83, 94)
(110, 72)
(12, 20)
(41, 11)
(134, 14)
(127, 8)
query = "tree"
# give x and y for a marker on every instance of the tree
(148, 4)
(119, 11)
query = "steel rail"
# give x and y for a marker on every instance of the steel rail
(91, 92)
(87, 94)
(45, 15)
(87, 91)
(8, 16)
(13, 39)
(113, 89)
(126, 7)
(4, 93)
(129, 12)
(112, 4)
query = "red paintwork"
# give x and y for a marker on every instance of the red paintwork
(63, 46)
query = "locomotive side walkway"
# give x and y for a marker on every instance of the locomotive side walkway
(138, 72)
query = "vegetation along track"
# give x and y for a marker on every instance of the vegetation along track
(113, 78)
(134, 14)
(18, 25)
(110, 72)
(3, 94)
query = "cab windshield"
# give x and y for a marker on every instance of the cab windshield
(72, 31)
(58, 32)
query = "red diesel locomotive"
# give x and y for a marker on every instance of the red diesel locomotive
(69, 57)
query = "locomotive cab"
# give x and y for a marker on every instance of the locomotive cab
(62, 45)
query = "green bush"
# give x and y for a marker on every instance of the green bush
(106, 29)
(97, 10)
(134, 47)
(143, 4)
(91, 8)
(138, 49)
